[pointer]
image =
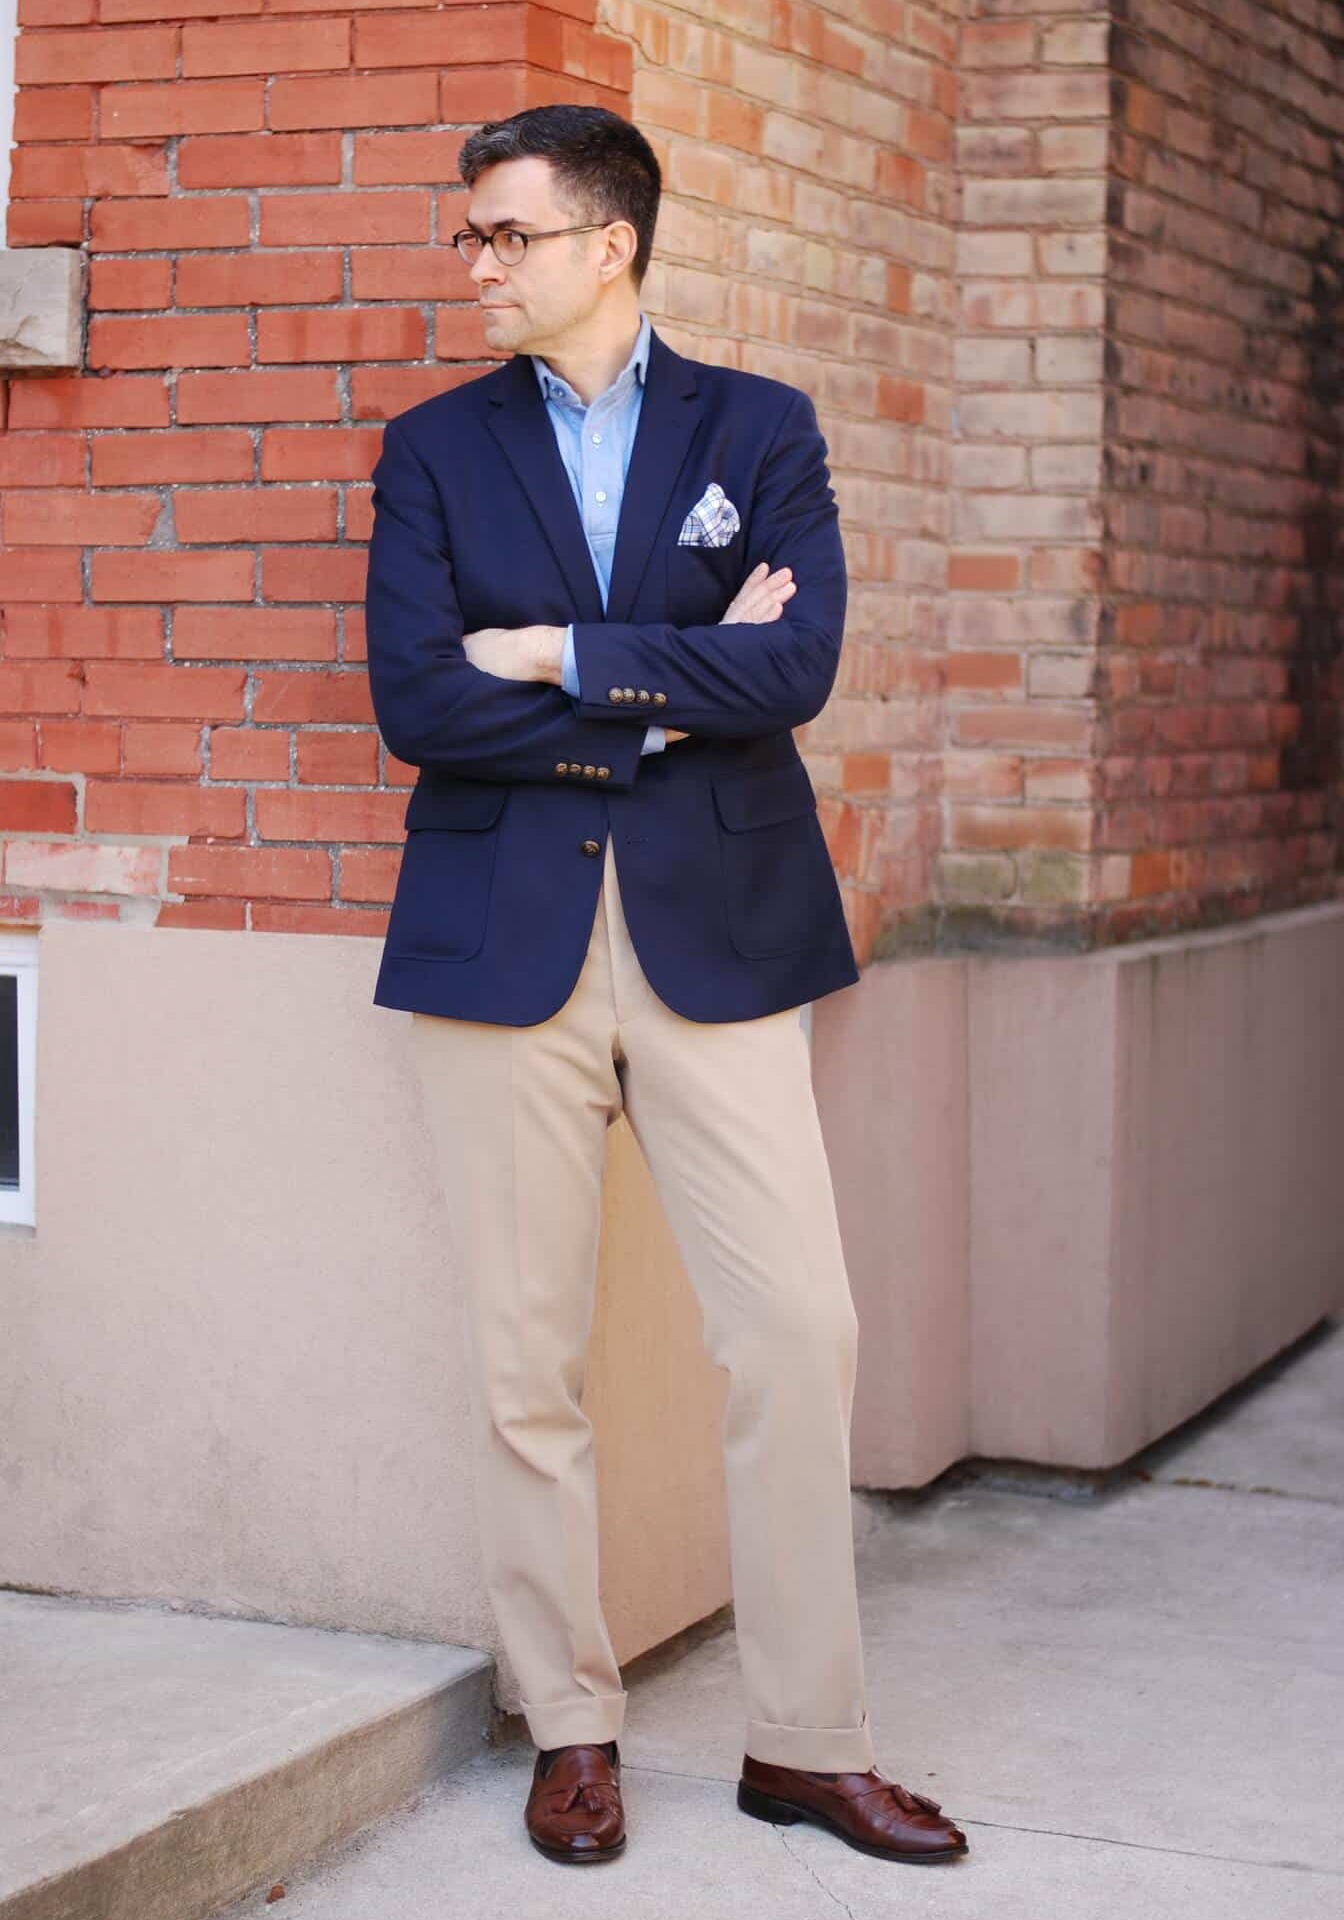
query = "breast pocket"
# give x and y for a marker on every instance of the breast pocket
(442, 899)
(701, 581)
(777, 870)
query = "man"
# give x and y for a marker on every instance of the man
(605, 583)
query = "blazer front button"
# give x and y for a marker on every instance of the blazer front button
(589, 846)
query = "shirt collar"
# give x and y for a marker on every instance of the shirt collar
(555, 387)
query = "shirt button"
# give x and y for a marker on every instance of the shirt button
(597, 439)
(600, 494)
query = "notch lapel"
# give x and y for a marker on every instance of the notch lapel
(668, 416)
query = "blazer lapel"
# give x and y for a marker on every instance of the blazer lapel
(669, 414)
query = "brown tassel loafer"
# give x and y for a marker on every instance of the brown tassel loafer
(872, 1813)
(574, 1810)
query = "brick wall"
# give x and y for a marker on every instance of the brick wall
(1059, 278)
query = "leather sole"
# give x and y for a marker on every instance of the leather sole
(581, 1856)
(782, 1813)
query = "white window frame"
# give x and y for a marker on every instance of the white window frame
(18, 955)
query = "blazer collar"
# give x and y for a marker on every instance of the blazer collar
(669, 414)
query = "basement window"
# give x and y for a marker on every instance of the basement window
(18, 1053)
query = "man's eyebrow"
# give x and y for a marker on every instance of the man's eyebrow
(508, 221)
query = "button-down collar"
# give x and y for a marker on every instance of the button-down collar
(555, 387)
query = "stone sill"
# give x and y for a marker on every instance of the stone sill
(41, 309)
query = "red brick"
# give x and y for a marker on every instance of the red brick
(52, 517)
(41, 459)
(126, 459)
(95, 54)
(170, 340)
(339, 758)
(313, 573)
(80, 172)
(163, 747)
(187, 107)
(369, 873)
(244, 280)
(80, 746)
(346, 334)
(309, 394)
(373, 218)
(223, 916)
(18, 746)
(162, 226)
(409, 273)
(172, 575)
(254, 633)
(165, 807)
(264, 46)
(53, 113)
(983, 572)
(363, 100)
(324, 699)
(280, 919)
(39, 573)
(324, 814)
(406, 159)
(242, 514)
(37, 806)
(259, 160)
(249, 753)
(78, 632)
(164, 691)
(277, 873)
(315, 453)
(58, 400)
(116, 282)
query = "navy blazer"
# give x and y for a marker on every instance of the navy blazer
(727, 885)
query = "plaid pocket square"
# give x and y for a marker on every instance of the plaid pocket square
(711, 522)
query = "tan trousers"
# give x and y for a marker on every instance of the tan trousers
(725, 1116)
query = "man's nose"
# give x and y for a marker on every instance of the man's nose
(486, 267)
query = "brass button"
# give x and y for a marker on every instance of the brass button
(574, 767)
(660, 699)
(589, 846)
(627, 693)
(614, 693)
(602, 772)
(562, 766)
(590, 771)
(644, 694)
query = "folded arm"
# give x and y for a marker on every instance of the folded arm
(737, 679)
(434, 708)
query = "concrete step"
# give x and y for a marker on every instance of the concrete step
(157, 1765)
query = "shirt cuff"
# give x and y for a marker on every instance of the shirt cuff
(655, 739)
(569, 672)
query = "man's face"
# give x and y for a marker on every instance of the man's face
(556, 284)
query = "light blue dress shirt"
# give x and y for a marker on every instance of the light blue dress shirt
(595, 444)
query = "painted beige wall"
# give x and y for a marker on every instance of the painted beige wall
(232, 1371)
(1084, 1195)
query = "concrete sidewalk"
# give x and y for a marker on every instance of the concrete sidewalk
(1129, 1690)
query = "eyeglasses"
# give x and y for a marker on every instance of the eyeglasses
(508, 243)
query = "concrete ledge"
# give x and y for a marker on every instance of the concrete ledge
(158, 1765)
(1082, 1196)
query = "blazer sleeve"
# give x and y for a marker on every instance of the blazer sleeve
(435, 708)
(738, 678)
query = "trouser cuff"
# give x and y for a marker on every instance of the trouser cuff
(588, 1716)
(818, 1749)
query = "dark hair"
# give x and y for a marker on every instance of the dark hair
(602, 164)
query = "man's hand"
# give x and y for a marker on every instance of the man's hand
(517, 653)
(761, 596)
